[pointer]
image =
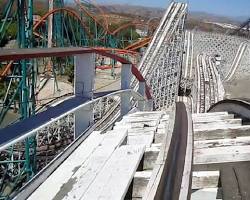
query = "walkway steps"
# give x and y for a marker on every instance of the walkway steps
(219, 123)
(222, 155)
(239, 141)
(221, 132)
(221, 143)
(212, 118)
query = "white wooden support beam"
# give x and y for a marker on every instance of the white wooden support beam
(149, 105)
(83, 118)
(83, 88)
(84, 75)
(141, 90)
(126, 75)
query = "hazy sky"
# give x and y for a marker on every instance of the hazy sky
(219, 7)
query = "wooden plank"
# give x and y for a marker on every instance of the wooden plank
(162, 125)
(209, 114)
(124, 126)
(65, 171)
(222, 133)
(222, 155)
(139, 119)
(84, 174)
(151, 113)
(161, 131)
(140, 183)
(217, 124)
(239, 141)
(136, 133)
(158, 169)
(150, 157)
(159, 137)
(217, 121)
(211, 119)
(146, 139)
(205, 179)
(116, 176)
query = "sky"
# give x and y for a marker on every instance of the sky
(233, 8)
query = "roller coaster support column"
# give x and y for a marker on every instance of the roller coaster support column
(84, 84)
(126, 76)
(142, 89)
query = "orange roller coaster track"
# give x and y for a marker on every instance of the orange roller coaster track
(70, 11)
(139, 44)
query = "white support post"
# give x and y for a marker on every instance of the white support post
(149, 105)
(83, 88)
(126, 76)
(141, 90)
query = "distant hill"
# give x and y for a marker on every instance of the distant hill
(216, 18)
(141, 11)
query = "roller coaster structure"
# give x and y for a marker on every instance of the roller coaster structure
(59, 27)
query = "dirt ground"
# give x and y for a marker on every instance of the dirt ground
(238, 88)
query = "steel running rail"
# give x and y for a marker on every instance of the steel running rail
(176, 179)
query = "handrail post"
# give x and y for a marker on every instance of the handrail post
(83, 88)
(126, 76)
(141, 90)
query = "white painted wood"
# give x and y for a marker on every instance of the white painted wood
(214, 118)
(161, 131)
(141, 133)
(158, 145)
(213, 121)
(146, 118)
(222, 155)
(150, 113)
(145, 129)
(159, 137)
(85, 173)
(209, 114)
(66, 170)
(221, 123)
(115, 177)
(141, 124)
(239, 141)
(162, 125)
(141, 139)
(150, 157)
(140, 183)
(158, 168)
(221, 133)
(205, 179)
